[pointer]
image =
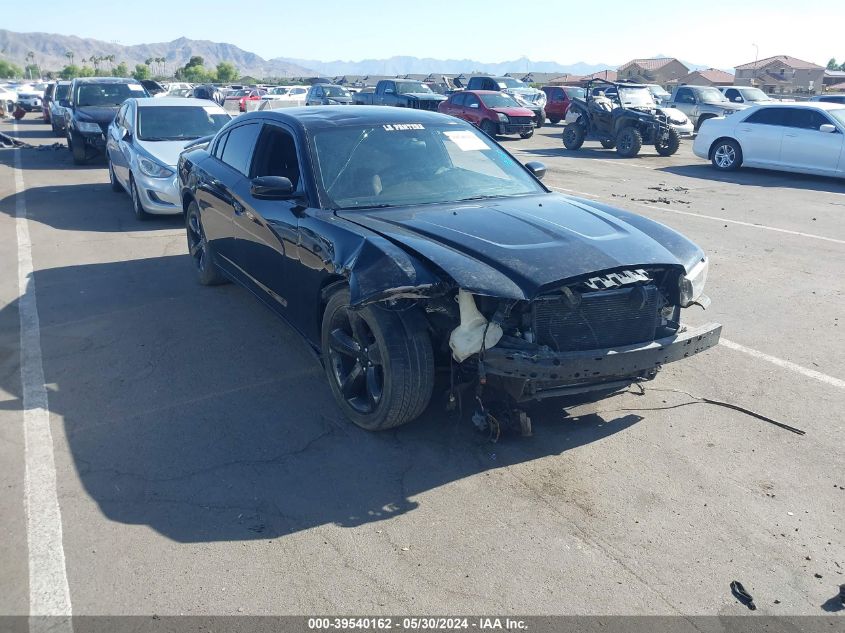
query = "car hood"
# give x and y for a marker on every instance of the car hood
(519, 247)
(520, 111)
(96, 114)
(673, 113)
(165, 152)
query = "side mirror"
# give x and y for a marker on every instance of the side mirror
(272, 188)
(828, 128)
(537, 168)
(64, 103)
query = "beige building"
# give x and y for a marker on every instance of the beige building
(782, 74)
(709, 77)
(664, 71)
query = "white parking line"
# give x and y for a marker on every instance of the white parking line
(49, 594)
(710, 217)
(804, 371)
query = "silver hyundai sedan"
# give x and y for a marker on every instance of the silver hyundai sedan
(143, 146)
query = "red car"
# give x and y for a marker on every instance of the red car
(494, 112)
(242, 96)
(558, 99)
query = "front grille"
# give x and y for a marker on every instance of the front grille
(426, 104)
(606, 318)
(521, 120)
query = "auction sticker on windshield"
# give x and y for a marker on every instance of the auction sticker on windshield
(466, 141)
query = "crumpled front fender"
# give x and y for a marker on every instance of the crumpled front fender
(378, 270)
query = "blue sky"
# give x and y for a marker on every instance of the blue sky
(716, 32)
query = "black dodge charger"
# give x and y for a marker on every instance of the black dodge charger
(401, 242)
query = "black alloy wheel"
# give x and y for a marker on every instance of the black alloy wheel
(200, 249)
(356, 361)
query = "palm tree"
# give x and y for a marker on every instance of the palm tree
(69, 55)
(160, 60)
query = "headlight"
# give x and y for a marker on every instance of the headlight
(153, 169)
(691, 285)
(541, 99)
(503, 118)
(85, 126)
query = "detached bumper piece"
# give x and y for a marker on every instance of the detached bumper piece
(534, 375)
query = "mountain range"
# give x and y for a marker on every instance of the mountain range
(50, 54)
(403, 65)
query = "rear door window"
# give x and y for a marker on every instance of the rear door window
(806, 119)
(769, 116)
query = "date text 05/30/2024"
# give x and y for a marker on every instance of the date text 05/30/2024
(386, 623)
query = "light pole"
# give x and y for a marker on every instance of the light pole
(756, 56)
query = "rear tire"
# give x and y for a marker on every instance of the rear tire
(573, 136)
(670, 145)
(200, 249)
(726, 155)
(629, 142)
(391, 382)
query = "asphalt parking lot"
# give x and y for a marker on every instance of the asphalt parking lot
(202, 467)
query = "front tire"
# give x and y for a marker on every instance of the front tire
(573, 136)
(489, 128)
(726, 155)
(77, 148)
(669, 145)
(137, 205)
(113, 181)
(629, 142)
(201, 250)
(379, 363)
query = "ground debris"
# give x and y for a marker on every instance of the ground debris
(663, 187)
(661, 199)
(742, 595)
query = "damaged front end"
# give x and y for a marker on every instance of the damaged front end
(595, 333)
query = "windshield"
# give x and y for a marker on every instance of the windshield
(407, 164)
(657, 91)
(838, 114)
(499, 100)
(279, 91)
(754, 94)
(409, 87)
(636, 96)
(509, 82)
(336, 91)
(107, 95)
(575, 93)
(711, 95)
(179, 123)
